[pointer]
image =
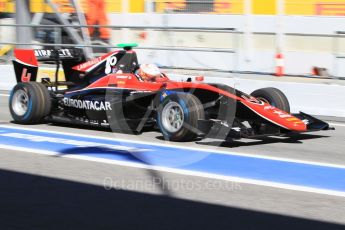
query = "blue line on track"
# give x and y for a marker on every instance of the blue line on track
(299, 174)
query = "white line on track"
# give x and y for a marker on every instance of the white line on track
(168, 144)
(184, 172)
(337, 124)
(4, 95)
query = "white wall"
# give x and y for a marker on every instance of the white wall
(8, 78)
(315, 99)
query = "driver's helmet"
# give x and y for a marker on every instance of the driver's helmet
(149, 72)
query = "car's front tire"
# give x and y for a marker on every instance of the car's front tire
(29, 103)
(274, 97)
(178, 117)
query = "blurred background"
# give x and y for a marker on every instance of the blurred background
(227, 35)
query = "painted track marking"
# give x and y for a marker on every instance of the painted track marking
(168, 144)
(261, 169)
(337, 124)
(185, 172)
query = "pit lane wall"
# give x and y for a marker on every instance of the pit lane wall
(308, 41)
(316, 98)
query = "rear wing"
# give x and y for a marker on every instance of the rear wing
(26, 61)
(75, 67)
(59, 54)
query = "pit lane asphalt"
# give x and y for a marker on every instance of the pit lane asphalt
(322, 147)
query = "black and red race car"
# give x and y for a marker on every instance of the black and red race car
(107, 92)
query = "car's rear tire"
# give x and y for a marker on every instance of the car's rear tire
(178, 117)
(274, 97)
(29, 103)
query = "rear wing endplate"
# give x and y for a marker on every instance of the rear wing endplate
(26, 60)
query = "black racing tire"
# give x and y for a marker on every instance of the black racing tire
(274, 97)
(29, 103)
(191, 111)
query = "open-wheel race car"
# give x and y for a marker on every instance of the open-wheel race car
(108, 91)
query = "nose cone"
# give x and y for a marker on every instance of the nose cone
(277, 116)
(299, 126)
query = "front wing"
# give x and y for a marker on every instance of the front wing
(222, 130)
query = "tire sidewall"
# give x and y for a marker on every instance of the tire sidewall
(39, 103)
(268, 97)
(274, 97)
(186, 116)
(28, 114)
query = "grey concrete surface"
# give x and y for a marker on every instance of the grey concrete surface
(324, 147)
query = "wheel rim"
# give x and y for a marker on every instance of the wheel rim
(20, 102)
(172, 117)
